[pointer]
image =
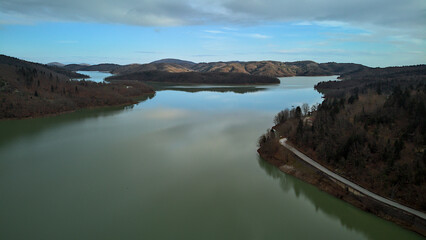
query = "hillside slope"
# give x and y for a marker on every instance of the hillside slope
(370, 129)
(164, 67)
(258, 68)
(30, 89)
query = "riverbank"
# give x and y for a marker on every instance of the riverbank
(276, 154)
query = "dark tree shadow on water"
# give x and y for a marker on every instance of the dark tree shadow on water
(11, 130)
(200, 88)
(349, 216)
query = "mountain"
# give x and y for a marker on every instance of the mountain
(30, 89)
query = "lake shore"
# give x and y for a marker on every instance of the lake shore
(289, 163)
(134, 100)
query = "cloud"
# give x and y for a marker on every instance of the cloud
(234, 32)
(258, 36)
(325, 52)
(214, 31)
(389, 13)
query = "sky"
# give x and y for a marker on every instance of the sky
(375, 33)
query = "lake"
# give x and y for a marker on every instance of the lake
(182, 165)
(95, 76)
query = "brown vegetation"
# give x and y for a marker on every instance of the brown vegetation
(258, 68)
(165, 67)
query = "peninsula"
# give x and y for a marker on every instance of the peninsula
(30, 89)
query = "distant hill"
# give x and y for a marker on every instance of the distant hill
(183, 63)
(196, 78)
(70, 74)
(103, 67)
(164, 67)
(279, 69)
(75, 67)
(374, 78)
(30, 89)
(57, 64)
(258, 68)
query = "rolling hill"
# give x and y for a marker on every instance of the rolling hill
(258, 68)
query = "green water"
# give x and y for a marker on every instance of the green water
(182, 165)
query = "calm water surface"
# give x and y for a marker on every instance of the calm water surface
(95, 76)
(182, 165)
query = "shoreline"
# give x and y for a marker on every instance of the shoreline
(287, 162)
(135, 100)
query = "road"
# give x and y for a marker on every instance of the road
(349, 183)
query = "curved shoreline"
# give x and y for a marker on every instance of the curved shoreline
(289, 163)
(350, 184)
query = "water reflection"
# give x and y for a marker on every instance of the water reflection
(210, 88)
(348, 216)
(96, 76)
(180, 166)
(14, 129)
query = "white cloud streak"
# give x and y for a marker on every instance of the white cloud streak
(388, 13)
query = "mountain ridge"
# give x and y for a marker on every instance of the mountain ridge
(259, 68)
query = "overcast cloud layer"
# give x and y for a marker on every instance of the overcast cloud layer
(387, 13)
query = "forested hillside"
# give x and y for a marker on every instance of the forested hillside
(371, 130)
(29, 89)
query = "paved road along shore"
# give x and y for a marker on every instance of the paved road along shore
(349, 183)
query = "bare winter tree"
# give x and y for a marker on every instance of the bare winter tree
(282, 116)
(305, 109)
